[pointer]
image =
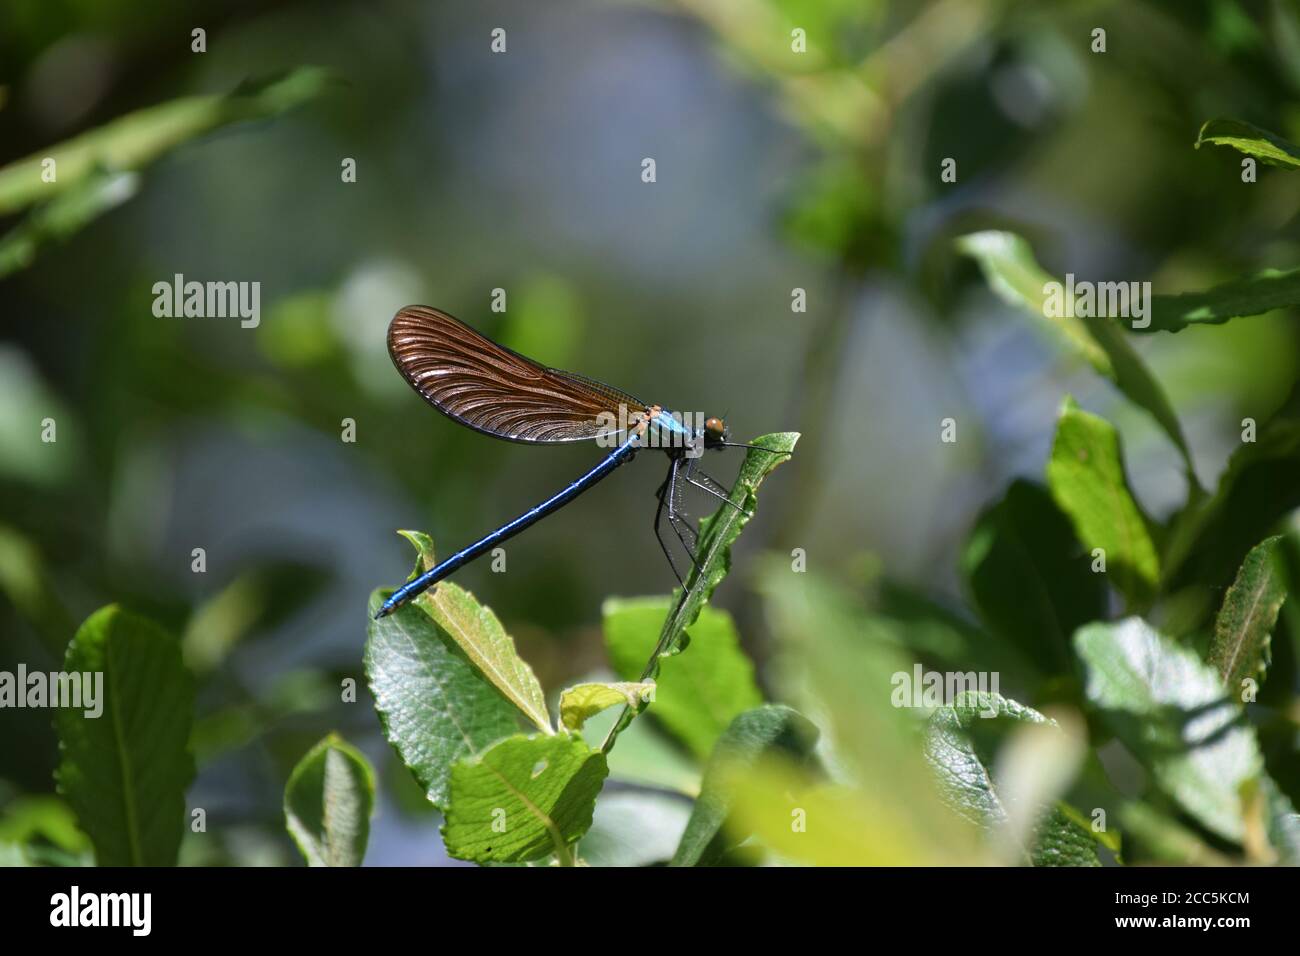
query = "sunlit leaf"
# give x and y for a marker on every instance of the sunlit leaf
(1172, 712)
(522, 799)
(1251, 140)
(435, 706)
(583, 701)
(713, 553)
(1086, 477)
(699, 692)
(479, 634)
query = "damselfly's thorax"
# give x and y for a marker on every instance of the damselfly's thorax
(677, 433)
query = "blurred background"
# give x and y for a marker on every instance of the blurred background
(775, 171)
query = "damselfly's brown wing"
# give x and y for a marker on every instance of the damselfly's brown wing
(495, 390)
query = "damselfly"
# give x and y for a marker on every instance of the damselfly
(497, 391)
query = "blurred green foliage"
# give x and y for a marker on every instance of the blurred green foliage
(815, 167)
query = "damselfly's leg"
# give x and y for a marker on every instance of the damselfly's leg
(678, 521)
(711, 485)
(662, 495)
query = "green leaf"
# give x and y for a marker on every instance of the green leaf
(845, 662)
(1063, 840)
(1012, 272)
(1256, 294)
(1251, 140)
(1208, 540)
(698, 694)
(1240, 648)
(967, 785)
(1086, 476)
(763, 730)
(1028, 577)
(137, 139)
(97, 171)
(964, 780)
(713, 553)
(435, 706)
(478, 632)
(1155, 836)
(802, 818)
(28, 582)
(583, 701)
(32, 821)
(524, 798)
(64, 216)
(328, 803)
(125, 771)
(1171, 711)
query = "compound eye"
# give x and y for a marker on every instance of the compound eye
(715, 428)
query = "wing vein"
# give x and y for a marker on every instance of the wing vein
(495, 390)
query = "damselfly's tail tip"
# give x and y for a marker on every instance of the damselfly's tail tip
(384, 611)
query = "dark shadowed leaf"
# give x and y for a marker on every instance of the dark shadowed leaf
(1208, 540)
(1240, 649)
(1029, 577)
(125, 770)
(1255, 294)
